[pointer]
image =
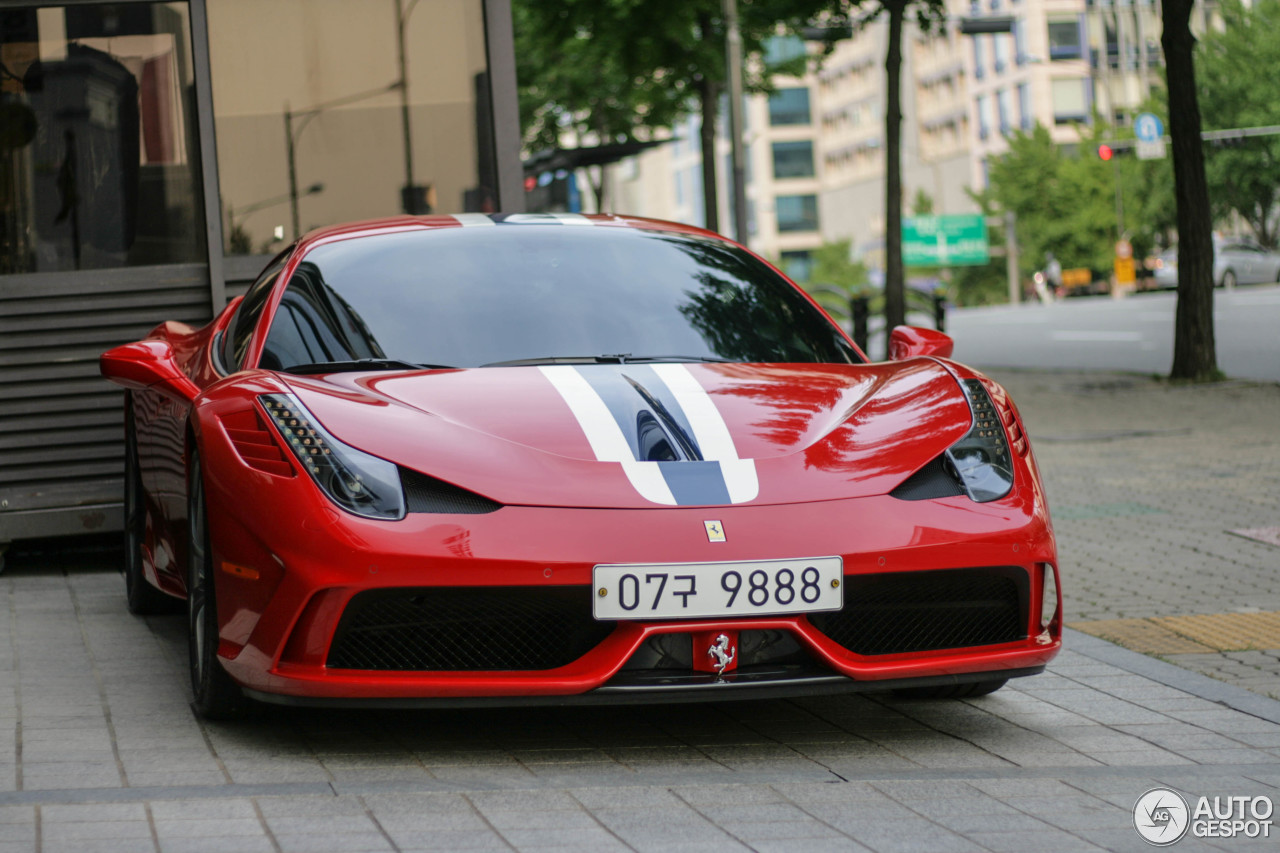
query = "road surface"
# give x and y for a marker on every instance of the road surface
(1133, 334)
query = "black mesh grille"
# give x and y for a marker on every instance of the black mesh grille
(427, 494)
(924, 611)
(466, 628)
(931, 481)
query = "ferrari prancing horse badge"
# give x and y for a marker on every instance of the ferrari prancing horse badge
(715, 531)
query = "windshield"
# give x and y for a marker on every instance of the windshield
(470, 297)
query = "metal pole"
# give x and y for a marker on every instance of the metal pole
(293, 169)
(410, 197)
(737, 157)
(1119, 200)
(859, 311)
(1011, 256)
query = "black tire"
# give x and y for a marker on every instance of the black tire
(1229, 279)
(952, 691)
(216, 695)
(143, 598)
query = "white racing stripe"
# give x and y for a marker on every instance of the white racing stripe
(604, 435)
(469, 219)
(710, 431)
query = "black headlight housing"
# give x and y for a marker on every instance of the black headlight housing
(981, 461)
(360, 483)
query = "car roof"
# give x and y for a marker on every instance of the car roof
(399, 224)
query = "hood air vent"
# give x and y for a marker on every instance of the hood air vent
(427, 494)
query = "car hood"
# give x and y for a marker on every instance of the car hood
(603, 435)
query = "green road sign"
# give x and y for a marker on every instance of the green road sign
(944, 241)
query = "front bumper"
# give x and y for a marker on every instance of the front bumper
(307, 561)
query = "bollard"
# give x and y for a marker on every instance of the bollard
(859, 309)
(940, 312)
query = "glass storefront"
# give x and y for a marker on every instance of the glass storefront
(99, 157)
(310, 100)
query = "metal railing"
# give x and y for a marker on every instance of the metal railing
(858, 313)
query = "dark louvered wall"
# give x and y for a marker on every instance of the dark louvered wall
(61, 423)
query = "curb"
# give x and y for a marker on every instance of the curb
(1171, 675)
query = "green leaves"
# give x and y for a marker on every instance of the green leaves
(1235, 73)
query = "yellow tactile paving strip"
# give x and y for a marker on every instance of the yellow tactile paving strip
(1175, 635)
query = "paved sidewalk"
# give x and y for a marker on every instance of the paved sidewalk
(102, 753)
(1164, 498)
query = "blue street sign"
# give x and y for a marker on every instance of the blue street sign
(1148, 128)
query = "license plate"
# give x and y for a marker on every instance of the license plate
(699, 590)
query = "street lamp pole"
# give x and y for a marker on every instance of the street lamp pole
(304, 117)
(402, 18)
(290, 144)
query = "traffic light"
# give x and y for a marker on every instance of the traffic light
(1105, 152)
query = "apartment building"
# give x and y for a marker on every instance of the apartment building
(816, 148)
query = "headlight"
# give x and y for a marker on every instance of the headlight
(980, 460)
(356, 481)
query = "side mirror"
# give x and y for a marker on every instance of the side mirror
(911, 341)
(145, 364)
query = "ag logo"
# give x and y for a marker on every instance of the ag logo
(1161, 817)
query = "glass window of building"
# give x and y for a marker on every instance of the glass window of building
(1028, 118)
(344, 119)
(780, 49)
(797, 265)
(1070, 100)
(797, 212)
(793, 159)
(99, 154)
(789, 106)
(1000, 48)
(1004, 107)
(1065, 39)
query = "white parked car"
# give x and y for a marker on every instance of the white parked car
(1235, 261)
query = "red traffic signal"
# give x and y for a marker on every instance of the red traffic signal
(1105, 152)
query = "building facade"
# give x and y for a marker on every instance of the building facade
(817, 149)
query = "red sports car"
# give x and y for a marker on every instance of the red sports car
(555, 458)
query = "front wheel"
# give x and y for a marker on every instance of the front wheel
(1229, 279)
(217, 697)
(952, 691)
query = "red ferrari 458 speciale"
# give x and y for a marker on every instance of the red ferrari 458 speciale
(552, 458)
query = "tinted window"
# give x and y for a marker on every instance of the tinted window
(793, 159)
(797, 212)
(235, 343)
(475, 296)
(789, 106)
(99, 159)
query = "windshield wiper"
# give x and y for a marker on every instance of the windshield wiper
(643, 359)
(615, 358)
(363, 364)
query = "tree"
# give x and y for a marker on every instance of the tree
(618, 70)
(929, 14)
(1064, 200)
(1194, 352)
(1235, 73)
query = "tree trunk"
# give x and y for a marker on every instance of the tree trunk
(895, 313)
(708, 95)
(1194, 353)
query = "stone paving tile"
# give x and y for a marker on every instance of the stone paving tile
(217, 844)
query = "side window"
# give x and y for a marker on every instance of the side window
(235, 343)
